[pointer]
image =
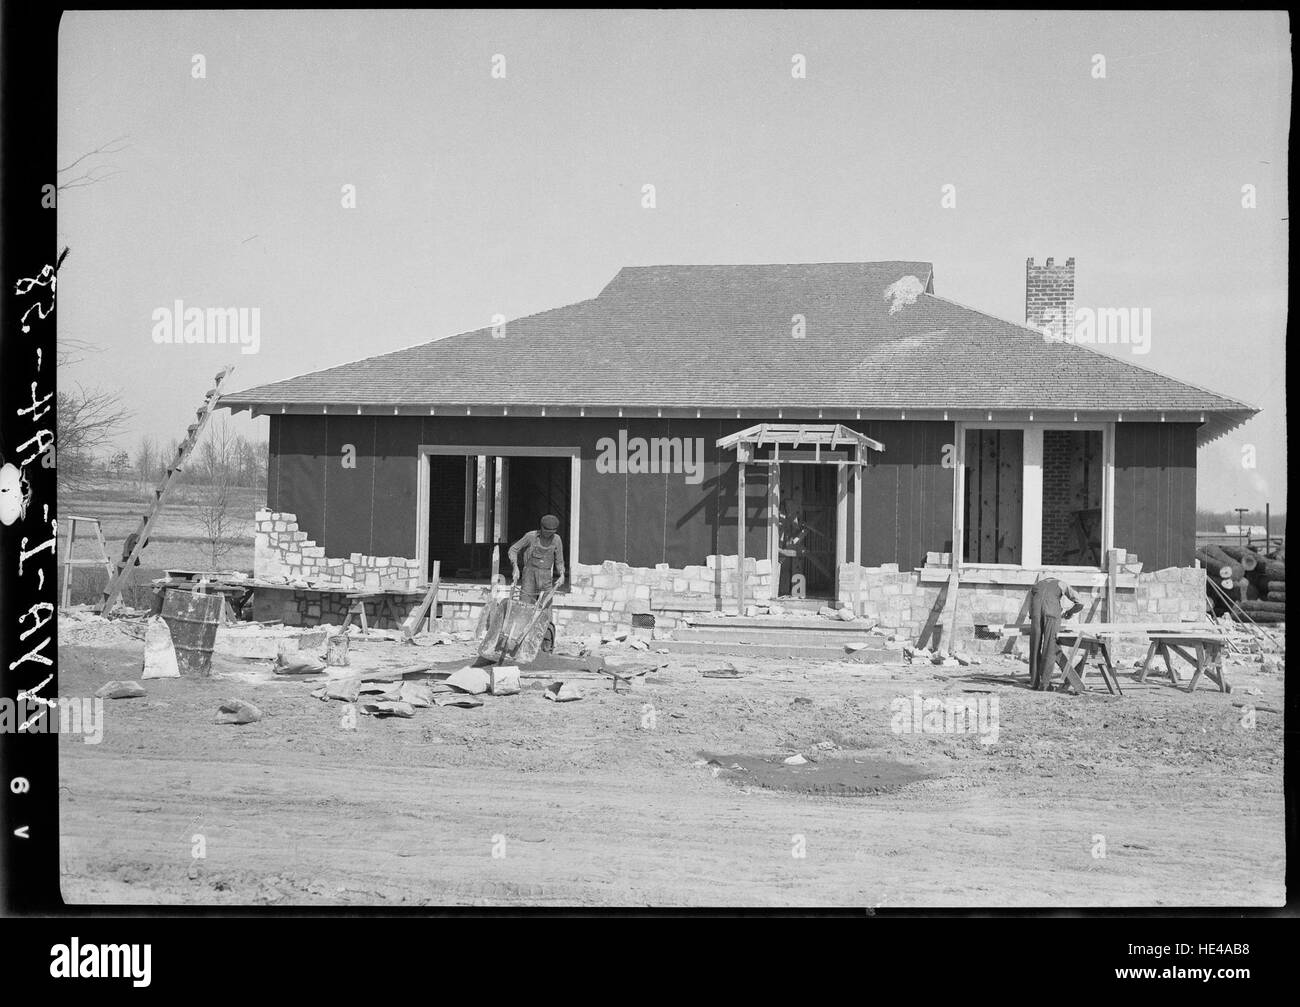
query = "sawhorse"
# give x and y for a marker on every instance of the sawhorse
(359, 609)
(1208, 659)
(1094, 648)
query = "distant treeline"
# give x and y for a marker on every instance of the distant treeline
(1216, 521)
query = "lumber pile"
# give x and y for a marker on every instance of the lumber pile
(1245, 583)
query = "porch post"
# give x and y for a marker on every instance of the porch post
(857, 512)
(740, 540)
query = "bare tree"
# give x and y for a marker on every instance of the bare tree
(85, 420)
(89, 168)
(215, 467)
(146, 459)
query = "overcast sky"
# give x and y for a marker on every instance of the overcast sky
(477, 196)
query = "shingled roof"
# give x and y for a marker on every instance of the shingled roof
(718, 339)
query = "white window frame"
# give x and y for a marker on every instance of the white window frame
(574, 454)
(1031, 515)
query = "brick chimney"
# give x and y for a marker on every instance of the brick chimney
(1049, 297)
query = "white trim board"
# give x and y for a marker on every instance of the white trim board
(1031, 530)
(424, 451)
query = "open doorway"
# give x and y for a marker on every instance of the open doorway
(808, 523)
(477, 505)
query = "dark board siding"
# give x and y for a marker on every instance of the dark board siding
(637, 518)
(1155, 492)
(907, 492)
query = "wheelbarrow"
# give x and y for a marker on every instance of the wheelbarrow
(513, 630)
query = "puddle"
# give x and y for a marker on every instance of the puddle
(839, 775)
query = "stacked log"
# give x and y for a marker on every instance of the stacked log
(1255, 582)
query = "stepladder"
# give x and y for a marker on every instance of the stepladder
(71, 562)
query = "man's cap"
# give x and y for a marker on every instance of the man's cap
(550, 523)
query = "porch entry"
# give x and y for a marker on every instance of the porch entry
(813, 470)
(475, 502)
(808, 525)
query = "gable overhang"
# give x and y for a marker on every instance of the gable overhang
(1211, 424)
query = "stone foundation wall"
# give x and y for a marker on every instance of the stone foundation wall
(624, 586)
(615, 597)
(901, 601)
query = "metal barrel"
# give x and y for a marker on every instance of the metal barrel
(192, 619)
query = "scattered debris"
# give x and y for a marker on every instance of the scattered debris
(503, 680)
(416, 694)
(385, 708)
(382, 691)
(120, 690)
(344, 689)
(297, 662)
(336, 651)
(236, 711)
(457, 699)
(562, 692)
(639, 644)
(470, 679)
(728, 671)
(159, 654)
(312, 640)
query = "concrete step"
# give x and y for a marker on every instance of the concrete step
(859, 627)
(829, 637)
(778, 651)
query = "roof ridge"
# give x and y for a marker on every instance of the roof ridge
(1084, 346)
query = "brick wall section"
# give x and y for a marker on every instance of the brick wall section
(1049, 288)
(601, 598)
(280, 549)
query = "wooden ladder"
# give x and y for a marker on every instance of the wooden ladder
(192, 433)
(69, 563)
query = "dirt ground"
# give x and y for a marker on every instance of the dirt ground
(1157, 798)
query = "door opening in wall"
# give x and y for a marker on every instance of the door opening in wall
(808, 528)
(477, 505)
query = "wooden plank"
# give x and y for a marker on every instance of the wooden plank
(1013, 576)
(1011, 495)
(1112, 574)
(1010, 645)
(1146, 665)
(936, 612)
(950, 636)
(1199, 661)
(988, 498)
(411, 626)
(1080, 636)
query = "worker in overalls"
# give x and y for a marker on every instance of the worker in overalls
(1044, 621)
(543, 565)
(792, 541)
